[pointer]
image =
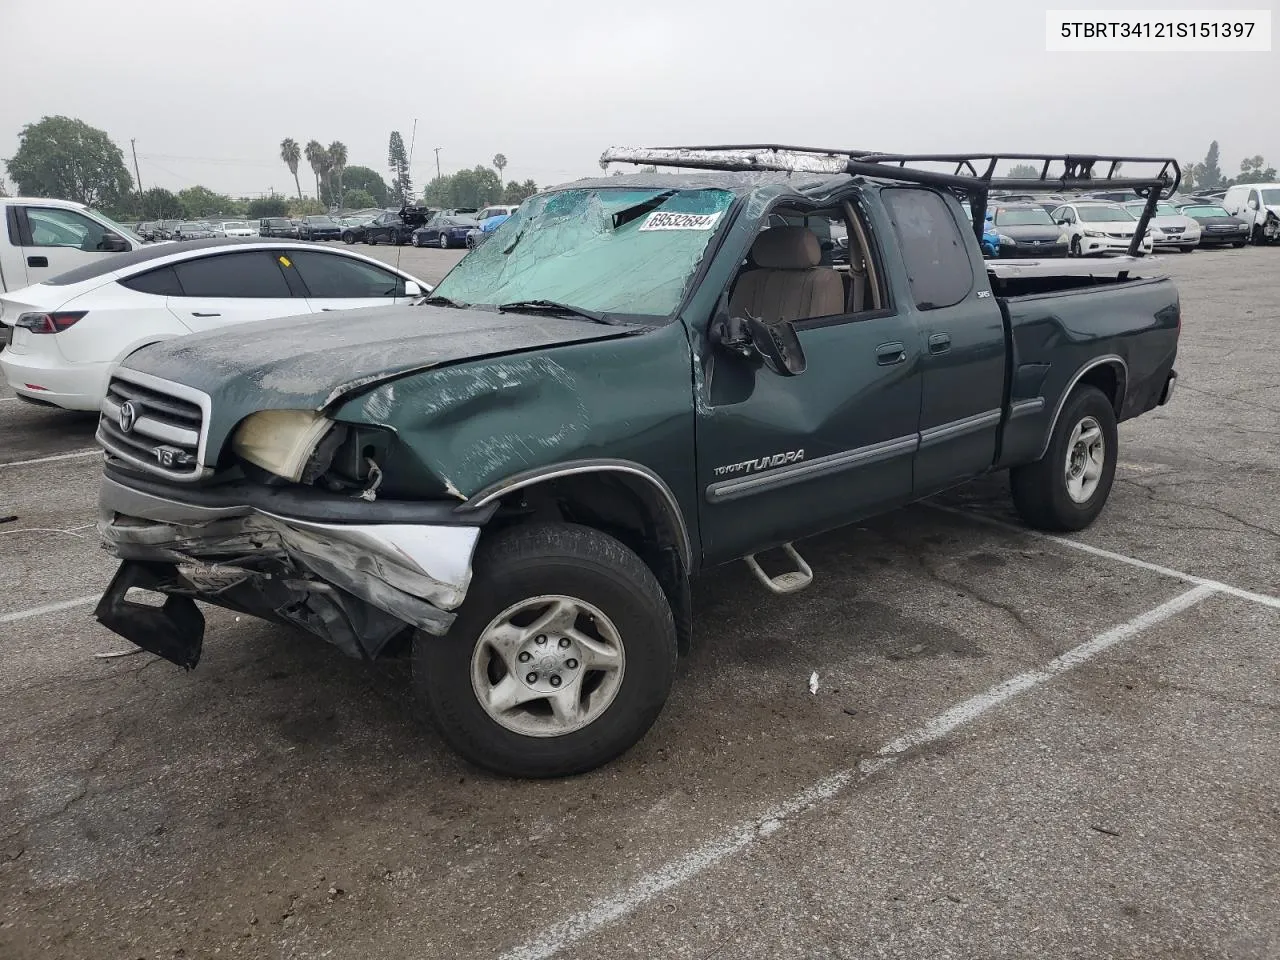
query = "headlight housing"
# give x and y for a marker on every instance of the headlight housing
(1094, 233)
(1006, 241)
(280, 441)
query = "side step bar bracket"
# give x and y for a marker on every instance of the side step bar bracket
(789, 582)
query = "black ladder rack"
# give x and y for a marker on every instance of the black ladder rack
(971, 174)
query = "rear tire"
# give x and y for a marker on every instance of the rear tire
(584, 595)
(444, 241)
(1067, 488)
(1237, 245)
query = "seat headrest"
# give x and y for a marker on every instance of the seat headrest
(786, 248)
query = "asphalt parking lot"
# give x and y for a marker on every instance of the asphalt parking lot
(1019, 746)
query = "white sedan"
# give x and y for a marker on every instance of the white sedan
(1098, 226)
(71, 331)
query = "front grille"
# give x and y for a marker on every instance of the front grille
(154, 425)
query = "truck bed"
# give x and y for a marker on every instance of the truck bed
(1011, 278)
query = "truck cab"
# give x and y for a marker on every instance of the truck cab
(43, 238)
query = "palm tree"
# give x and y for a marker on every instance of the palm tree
(500, 161)
(604, 165)
(315, 155)
(338, 163)
(290, 154)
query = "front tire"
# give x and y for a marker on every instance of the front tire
(560, 659)
(1067, 488)
(1075, 248)
(1191, 248)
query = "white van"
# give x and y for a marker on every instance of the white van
(42, 238)
(1258, 204)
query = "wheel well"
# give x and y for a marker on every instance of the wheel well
(627, 507)
(1109, 378)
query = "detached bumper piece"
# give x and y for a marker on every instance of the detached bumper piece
(174, 631)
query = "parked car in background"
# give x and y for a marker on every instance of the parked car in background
(396, 228)
(42, 238)
(445, 231)
(319, 228)
(1098, 227)
(990, 242)
(1258, 205)
(281, 227)
(353, 228)
(1027, 230)
(146, 231)
(71, 331)
(1217, 227)
(235, 228)
(499, 210)
(164, 229)
(193, 230)
(1176, 230)
(487, 226)
(1111, 196)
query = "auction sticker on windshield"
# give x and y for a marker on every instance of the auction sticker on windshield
(662, 220)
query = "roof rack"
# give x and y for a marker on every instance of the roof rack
(971, 174)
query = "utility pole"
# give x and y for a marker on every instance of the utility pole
(438, 149)
(133, 144)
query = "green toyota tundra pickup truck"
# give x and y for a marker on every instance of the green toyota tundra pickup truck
(634, 380)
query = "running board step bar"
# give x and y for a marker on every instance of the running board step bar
(789, 582)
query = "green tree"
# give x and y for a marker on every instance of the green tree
(201, 202)
(1188, 184)
(306, 207)
(1024, 171)
(1209, 174)
(3, 191)
(519, 192)
(466, 188)
(272, 206)
(398, 164)
(160, 204)
(500, 164)
(359, 200)
(1254, 170)
(68, 159)
(370, 181)
(337, 163)
(292, 156)
(318, 159)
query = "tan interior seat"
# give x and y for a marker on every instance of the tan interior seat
(786, 282)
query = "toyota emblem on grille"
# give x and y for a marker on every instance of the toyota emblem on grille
(128, 416)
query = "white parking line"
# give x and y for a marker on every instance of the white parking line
(95, 452)
(1263, 598)
(47, 608)
(577, 927)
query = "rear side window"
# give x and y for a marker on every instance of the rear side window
(933, 249)
(331, 275)
(252, 275)
(162, 282)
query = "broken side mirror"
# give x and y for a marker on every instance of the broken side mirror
(777, 345)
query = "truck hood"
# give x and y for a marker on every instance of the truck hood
(314, 360)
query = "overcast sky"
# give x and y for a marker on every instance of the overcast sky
(210, 87)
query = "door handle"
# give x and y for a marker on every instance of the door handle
(887, 354)
(196, 313)
(37, 261)
(940, 343)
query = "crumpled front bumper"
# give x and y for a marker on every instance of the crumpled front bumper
(356, 584)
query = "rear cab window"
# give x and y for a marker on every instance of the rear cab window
(934, 252)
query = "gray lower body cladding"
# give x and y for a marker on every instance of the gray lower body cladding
(353, 584)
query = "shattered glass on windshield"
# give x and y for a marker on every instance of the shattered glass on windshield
(610, 251)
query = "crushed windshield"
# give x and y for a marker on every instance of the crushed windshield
(1105, 214)
(1023, 217)
(603, 250)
